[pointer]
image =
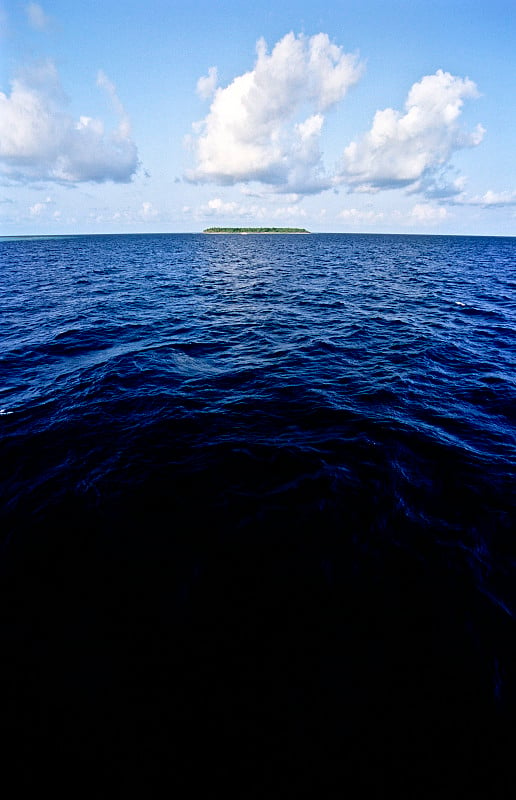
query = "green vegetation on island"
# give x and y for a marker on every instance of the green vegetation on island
(256, 230)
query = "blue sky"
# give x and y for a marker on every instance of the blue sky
(370, 116)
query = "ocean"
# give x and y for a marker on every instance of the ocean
(258, 513)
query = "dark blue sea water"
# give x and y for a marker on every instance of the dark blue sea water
(258, 512)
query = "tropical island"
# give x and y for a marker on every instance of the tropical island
(255, 230)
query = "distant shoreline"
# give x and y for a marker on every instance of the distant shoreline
(256, 230)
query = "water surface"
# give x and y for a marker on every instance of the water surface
(259, 491)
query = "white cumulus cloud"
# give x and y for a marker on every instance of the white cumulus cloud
(39, 140)
(411, 149)
(265, 126)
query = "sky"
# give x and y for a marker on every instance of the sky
(380, 116)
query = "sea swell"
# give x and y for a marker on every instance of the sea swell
(275, 476)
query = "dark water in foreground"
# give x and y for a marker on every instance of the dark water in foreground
(257, 513)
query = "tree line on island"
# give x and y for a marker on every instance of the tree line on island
(255, 230)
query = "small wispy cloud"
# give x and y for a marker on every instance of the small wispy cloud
(124, 125)
(489, 199)
(217, 206)
(37, 18)
(128, 216)
(38, 209)
(357, 215)
(207, 84)
(148, 211)
(427, 214)
(229, 209)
